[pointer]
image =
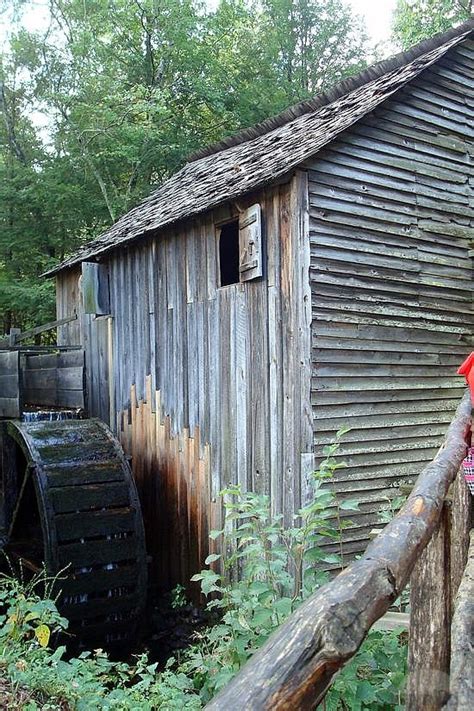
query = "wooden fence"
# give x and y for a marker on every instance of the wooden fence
(39, 376)
(54, 379)
(427, 540)
(10, 384)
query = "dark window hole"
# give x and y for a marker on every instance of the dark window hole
(229, 253)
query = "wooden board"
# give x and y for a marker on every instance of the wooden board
(54, 380)
(95, 288)
(10, 384)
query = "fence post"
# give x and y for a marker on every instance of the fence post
(430, 622)
(462, 641)
(12, 336)
(461, 525)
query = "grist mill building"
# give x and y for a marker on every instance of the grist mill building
(308, 273)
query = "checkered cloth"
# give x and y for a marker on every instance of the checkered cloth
(468, 468)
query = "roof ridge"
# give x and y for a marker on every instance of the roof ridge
(333, 93)
(239, 169)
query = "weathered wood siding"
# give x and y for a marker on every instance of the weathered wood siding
(94, 334)
(68, 303)
(391, 217)
(210, 385)
(10, 384)
(53, 379)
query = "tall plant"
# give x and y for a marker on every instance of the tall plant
(268, 571)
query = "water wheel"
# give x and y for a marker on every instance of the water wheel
(70, 502)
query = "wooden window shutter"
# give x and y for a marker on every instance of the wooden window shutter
(95, 289)
(250, 243)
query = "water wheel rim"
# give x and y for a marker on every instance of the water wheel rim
(26, 436)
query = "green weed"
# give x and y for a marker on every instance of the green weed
(268, 570)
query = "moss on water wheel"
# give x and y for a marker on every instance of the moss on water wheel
(87, 514)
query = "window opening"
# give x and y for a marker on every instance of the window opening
(229, 253)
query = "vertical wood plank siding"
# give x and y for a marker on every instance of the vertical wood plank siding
(391, 218)
(68, 303)
(90, 332)
(210, 383)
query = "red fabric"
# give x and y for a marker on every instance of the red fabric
(467, 369)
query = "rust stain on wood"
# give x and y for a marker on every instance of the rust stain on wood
(172, 473)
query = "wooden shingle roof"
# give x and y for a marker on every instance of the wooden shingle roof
(266, 152)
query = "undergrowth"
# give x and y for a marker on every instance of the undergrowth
(268, 570)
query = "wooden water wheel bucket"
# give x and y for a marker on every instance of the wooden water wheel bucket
(70, 502)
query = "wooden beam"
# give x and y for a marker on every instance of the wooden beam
(461, 684)
(393, 621)
(16, 336)
(461, 525)
(295, 667)
(9, 484)
(46, 327)
(44, 350)
(430, 622)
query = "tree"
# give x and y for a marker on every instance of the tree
(415, 20)
(108, 100)
(24, 227)
(312, 44)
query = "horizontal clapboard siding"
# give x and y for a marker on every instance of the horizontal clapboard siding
(391, 219)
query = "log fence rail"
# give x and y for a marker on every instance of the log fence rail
(16, 336)
(426, 543)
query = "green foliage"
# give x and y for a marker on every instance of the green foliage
(90, 682)
(26, 616)
(109, 98)
(268, 571)
(311, 44)
(394, 505)
(374, 678)
(178, 597)
(415, 20)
